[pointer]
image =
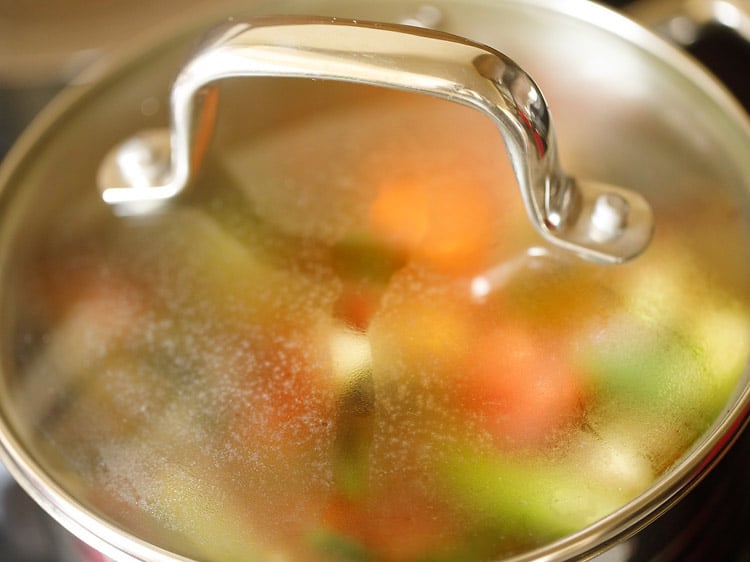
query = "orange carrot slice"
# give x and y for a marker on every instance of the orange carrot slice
(447, 226)
(524, 392)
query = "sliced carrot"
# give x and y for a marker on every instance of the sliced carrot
(448, 226)
(398, 526)
(522, 388)
(205, 127)
(357, 305)
(401, 214)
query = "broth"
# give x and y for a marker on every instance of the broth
(348, 343)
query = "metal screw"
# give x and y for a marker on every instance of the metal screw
(143, 161)
(609, 217)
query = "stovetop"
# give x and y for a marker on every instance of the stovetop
(709, 524)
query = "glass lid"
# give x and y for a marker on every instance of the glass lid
(346, 339)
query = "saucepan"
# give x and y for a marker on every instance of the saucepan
(345, 281)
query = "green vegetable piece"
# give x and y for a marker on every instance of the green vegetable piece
(339, 547)
(361, 256)
(523, 498)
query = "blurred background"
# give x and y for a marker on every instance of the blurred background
(48, 44)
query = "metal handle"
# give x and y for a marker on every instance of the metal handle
(599, 222)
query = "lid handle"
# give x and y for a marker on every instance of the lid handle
(599, 222)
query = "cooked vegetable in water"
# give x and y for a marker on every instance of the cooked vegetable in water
(358, 350)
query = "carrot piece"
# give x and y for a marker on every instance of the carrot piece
(356, 306)
(522, 389)
(205, 127)
(447, 226)
(401, 214)
(397, 526)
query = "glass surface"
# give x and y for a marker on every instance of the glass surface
(348, 327)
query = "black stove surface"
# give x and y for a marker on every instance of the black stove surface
(711, 523)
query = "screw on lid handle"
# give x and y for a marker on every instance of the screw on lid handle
(599, 222)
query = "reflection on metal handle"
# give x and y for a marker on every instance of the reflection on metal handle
(682, 21)
(599, 222)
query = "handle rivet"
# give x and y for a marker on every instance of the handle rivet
(609, 218)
